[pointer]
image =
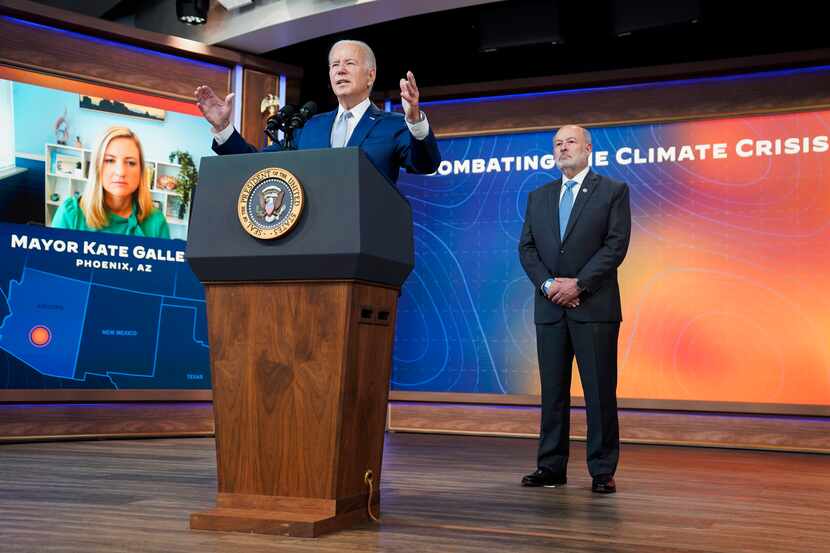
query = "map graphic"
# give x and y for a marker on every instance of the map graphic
(99, 311)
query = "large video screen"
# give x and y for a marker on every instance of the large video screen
(724, 289)
(95, 292)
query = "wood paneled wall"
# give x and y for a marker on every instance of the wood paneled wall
(782, 433)
(726, 88)
(71, 55)
(642, 103)
(32, 422)
(92, 26)
(255, 86)
(67, 44)
(623, 403)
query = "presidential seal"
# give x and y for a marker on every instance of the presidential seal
(270, 203)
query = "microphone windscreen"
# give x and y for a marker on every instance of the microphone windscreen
(287, 111)
(309, 109)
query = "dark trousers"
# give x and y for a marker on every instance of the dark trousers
(595, 347)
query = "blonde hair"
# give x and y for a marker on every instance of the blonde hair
(92, 202)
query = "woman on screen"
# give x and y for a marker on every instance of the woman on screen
(117, 197)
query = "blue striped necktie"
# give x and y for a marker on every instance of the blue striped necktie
(565, 206)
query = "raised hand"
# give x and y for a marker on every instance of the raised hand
(409, 98)
(216, 110)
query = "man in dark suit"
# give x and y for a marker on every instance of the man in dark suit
(390, 140)
(575, 235)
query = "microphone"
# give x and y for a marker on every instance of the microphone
(278, 121)
(301, 117)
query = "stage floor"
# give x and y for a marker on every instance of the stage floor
(440, 493)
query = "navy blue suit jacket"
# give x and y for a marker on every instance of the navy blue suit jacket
(595, 243)
(383, 136)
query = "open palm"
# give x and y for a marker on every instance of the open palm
(216, 110)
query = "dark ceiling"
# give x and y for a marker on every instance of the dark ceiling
(462, 46)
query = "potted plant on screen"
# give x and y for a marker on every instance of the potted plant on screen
(187, 179)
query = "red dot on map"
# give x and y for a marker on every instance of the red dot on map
(40, 336)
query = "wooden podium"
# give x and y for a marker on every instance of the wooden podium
(301, 331)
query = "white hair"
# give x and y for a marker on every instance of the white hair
(585, 132)
(367, 51)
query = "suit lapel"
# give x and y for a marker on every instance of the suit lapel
(583, 194)
(553, 199)
(369, 120)
(327, 124)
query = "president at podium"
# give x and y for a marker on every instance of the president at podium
(390, 141)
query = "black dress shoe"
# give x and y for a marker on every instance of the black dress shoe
(544, 477)
(603, 483)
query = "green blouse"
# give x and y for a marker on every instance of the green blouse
(70, 216)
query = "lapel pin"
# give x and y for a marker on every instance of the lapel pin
(584, 189)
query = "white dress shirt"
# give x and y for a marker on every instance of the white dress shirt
(579, 178)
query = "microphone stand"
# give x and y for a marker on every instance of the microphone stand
(288, 120)
(288, 142)
(271, 133)
(269, 106)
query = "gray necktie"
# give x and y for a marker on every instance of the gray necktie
(565, 206)
(341, 130)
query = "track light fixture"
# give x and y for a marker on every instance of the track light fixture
(192, 12)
